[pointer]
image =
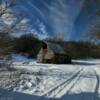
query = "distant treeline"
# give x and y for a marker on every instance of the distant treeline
(30, 45)
(81, 49)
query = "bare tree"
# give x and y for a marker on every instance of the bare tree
(5, 5)
(4, 35)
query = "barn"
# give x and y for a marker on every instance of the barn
(52, 53)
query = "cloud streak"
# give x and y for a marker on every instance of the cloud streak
(48, 16)
(63, 15)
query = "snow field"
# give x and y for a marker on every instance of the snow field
(77, 81)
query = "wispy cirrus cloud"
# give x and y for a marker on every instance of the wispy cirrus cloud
(63, 14)
(25, 25)
(47, 17)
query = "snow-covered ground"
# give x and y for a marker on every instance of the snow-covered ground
(77, 81)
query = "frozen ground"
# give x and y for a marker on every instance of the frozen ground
(78, 81)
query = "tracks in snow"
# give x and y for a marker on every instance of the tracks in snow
(97, 88)
(62, 87)
(80, 75)
(67, 85)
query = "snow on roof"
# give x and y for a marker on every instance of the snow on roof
(56, 48)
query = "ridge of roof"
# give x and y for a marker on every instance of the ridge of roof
(57, 48)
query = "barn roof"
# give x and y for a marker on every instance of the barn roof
(56, 48)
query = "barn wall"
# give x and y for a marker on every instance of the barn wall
(40, 56)
(49, 54)
(43, 55)
(62, 59)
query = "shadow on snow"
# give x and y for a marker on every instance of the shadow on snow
(8, 95)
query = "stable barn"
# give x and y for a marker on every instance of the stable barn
(52, 53)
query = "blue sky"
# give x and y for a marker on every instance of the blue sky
(50, 17)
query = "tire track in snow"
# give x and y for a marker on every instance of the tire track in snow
(94, 95)
(75, 81)
(71, 84)
(49, 93)
(97, 86)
